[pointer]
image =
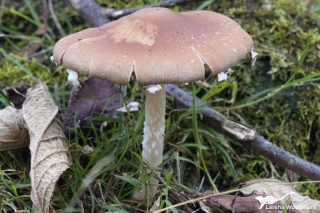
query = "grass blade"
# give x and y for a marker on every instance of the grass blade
(28, 72)
(34, 14)
(4, 100)
(196, 135)
(204, 4)
(13, 11)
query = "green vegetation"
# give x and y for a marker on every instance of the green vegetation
(279, 97)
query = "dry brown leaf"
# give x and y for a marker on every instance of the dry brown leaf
(156, 204)
(48, 145)
(13, 134)
(277, 189)
(223, 203)
(96, 96)
(205, 208)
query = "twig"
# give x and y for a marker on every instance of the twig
(41, 52)
(97, 16)
(18, 37)
(200, 186)
(273, 171)
(101, 193)
(56, 21)
(14, 89)
(120, 13)
(91, 12)
(235, 196)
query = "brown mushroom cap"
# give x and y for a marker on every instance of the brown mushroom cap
(160, 46)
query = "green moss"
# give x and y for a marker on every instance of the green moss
(13, 72)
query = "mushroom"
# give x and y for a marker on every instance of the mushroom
(158, 46)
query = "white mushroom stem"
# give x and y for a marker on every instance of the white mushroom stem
(154, 125)
(152, 144)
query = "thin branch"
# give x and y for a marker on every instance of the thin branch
(55, 20)
(91, 12)
(41, 52)
(124, 12)
(97, 16)
(22, 37)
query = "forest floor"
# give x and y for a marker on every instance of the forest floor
(278, 97)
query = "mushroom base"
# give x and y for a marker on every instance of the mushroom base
(148, 190)
(152, 144)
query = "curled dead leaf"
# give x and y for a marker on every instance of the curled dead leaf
(156, 204)
(13, 134)
(48, 145)
(279, 190)
(205, 208)
(223, 203)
